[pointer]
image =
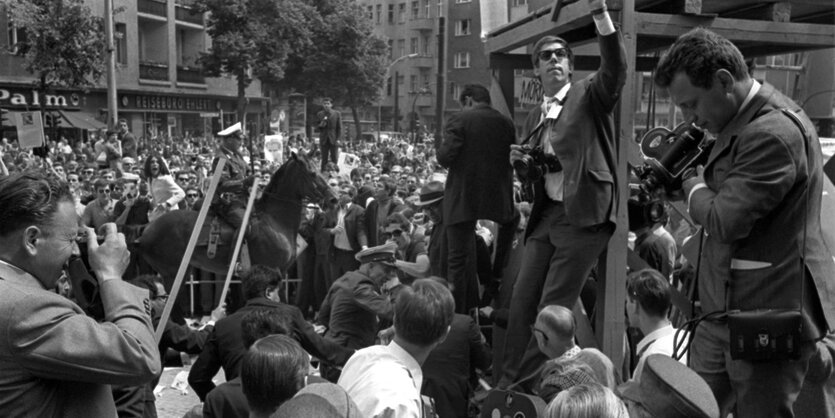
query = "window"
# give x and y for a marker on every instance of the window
(462, 27)
(401, 47)
(463, 1)
(388, 86)
(415, 10)
(391, 14)
(426, 9)
(413, 83)
(370, 12)
(462, 60)
(401, 13)
(379, 13)
(391, 49)
(425, 44)
(413, 46)
(121, 40)
(16, 36)
(517, 3)
(454, 91)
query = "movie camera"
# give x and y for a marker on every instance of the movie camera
(667, 155)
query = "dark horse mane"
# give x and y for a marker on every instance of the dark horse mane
(296, 171)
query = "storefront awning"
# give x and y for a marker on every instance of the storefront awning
(81, 120)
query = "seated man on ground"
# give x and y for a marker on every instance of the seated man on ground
(554, 331)
(385, 381)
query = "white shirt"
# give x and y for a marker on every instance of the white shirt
(660, 341)
(554, 182)
(340, 240)
(384, 381)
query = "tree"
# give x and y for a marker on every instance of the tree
(254, 38)
(63, 44)
(346, 61)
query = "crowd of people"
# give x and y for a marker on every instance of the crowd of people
(423, 248)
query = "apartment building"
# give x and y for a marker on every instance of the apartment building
(160, 88)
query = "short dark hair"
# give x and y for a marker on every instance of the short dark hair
(327, 99)
(699, 54)
(100, 183)
(650, 290)
(30, 198)
(258, 279)
(423, 312)
(548, 39)
(400, 219)
(477, 92)
(272, 371)
(260, 323)
(123, 120)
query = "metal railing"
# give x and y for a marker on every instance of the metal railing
(153, 71)
(152, 7)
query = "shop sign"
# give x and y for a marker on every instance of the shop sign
(165, 102)
(35, 98)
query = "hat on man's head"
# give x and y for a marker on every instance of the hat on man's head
(234, 129)
(128, 160)
(430, 193)
(381, 254)
(670, 389)
(321, 400)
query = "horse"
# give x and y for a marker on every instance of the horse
(271, 233)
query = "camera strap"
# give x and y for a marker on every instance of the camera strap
(689, 327)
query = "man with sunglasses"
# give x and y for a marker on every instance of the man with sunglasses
(99, 211)
(412, 258)
(573, 213)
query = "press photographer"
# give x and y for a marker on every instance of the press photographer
(56, 360)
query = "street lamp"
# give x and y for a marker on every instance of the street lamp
(380, 106)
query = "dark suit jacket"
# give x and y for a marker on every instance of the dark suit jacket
(760, 182)
(330, 129)
(128, 145)
(372, 228)
(584, 140)
(447, 370)
(354, 226)
(351, 310)
(476, 150)
(225, 347)
(235, 172)
(227, 401)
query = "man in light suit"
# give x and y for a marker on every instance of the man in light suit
(330, 132)
(348, 231)
(474, 148)
(758, 200)
(55, 360)
(573, 213)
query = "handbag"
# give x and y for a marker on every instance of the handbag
(771, 334)
(507, 403)
(765, 334)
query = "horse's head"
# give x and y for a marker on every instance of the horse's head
(295, 179)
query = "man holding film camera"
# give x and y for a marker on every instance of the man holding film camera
(55, 360)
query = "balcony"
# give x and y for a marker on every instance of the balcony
(190, 75)
(153, 71)
(189, 15)
(153, 7)
(423, 61)
(422, 24)
(422, 100)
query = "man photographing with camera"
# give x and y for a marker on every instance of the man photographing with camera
(55, 360)
(573, 213)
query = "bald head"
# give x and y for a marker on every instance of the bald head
(555, 325)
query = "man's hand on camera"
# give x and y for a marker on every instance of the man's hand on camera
(516, 153)
(692, 178)
(110, 259)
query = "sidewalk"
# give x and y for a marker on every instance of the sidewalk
(171, 403)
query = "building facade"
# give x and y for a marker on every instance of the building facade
(160, 88)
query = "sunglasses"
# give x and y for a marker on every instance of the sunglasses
(88, 172)
(191, 195)
(546, 55)
(104, 191)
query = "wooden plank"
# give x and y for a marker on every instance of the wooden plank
(775, 12)
(510, 38)
(581, 62)
(692, 7)
(800, 35)
(611, 325)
